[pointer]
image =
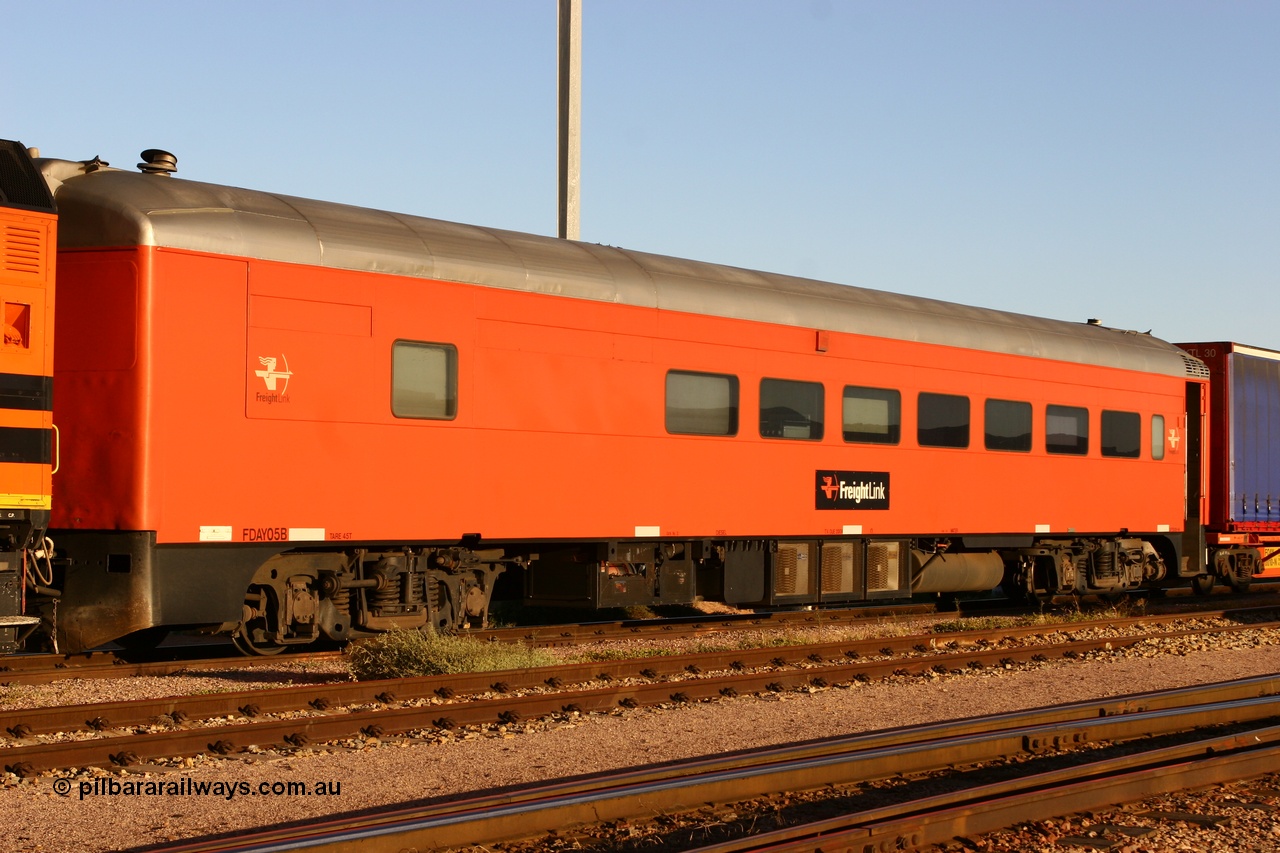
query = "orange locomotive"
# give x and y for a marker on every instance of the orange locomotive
(28, 225)
(284, 419)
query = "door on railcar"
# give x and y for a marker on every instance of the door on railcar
(1193, 539)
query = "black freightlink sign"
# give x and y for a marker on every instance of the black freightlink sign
(852, 490)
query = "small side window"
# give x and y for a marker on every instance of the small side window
(943, 420)
(1157, 436)
(790, 409)
(424, 380)
(1066, 430)
(872, 415)
(1121, 434)
(702, 403)
(1008, 425)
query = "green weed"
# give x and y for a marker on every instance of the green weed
(406, 654)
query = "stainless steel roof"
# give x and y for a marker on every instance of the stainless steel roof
(118, 208)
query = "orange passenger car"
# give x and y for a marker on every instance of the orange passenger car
(284, 420)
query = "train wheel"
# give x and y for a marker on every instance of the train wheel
(1238, 584)
(250, 636)
(248, 645)
(1202, 584)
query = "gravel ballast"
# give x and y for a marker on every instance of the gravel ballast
(112, 811)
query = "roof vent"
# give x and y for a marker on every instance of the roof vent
(1195, 367)
(158, 162)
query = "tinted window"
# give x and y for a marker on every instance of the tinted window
(790, 409)
(1008, 425)
(942, 420)
(702, 403)
(872, 415)
(424, 380)
(1066, 430)
(1157, 436)
(1121, 434)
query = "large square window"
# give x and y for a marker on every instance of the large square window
(790, 409)
(702, 403)
(872, 415)
(1121, 434)
(942, 420)
(424, 380)
(1066, 430)
(1008, 425)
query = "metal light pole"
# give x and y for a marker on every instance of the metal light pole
(570, 159)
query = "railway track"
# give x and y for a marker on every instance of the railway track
(695, 626)
(1234, 736)
(46, 668)
(139, 734)
(1173, 601)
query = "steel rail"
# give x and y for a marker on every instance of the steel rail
(988, 808)
(296, 732)
(24, 723)
(758, 773)
(567, 635)
(108, 715)
(44, 668)
(692, 626)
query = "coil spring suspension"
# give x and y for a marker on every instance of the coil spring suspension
(386, 596)
(1082, 565)
(342, 600)
(436, 593)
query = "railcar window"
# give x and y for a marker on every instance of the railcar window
(1157, 436)
(424, 380)
(1121, 434)
(702, 403)
(942, 420)
(790, 409)
(1066, 430)
(872, 415)
(1008, 425)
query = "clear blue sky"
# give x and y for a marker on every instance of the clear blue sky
(1075, 159)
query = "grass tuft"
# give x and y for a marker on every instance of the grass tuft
(1062, 616)
(407, 654)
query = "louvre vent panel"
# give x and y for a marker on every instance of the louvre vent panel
(1195, 367)
(791, 572)
(838, 561)
(883, 566)
(21, 250)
